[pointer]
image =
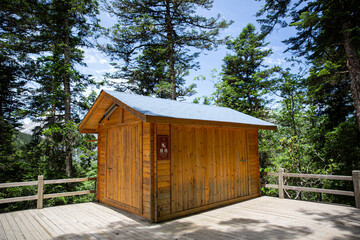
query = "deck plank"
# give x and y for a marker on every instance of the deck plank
(76, 219)
(35, 226)
(123, 224)
(52, 229)
(94, 222)
(69, 230)
(23, 226)
(261, 218)
(14, 226)
(3, 227)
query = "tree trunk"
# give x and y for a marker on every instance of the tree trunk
(68, 147)
(353, 65)
(169, 32)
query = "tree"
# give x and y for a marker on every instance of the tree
(245, 77)
(322, 26)
(170, 28)
(148, 75)
(329, 90)
(17, 41)
(65, 25)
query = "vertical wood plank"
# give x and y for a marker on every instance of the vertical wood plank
(237, 164)
(217, 165)
(155, 174)
(212, 146)
(232, 163)
(356, 182)
(187, 170)
(281, 183)
(206, 165)
(210, 165)
(247, 163)
(191, 147)
(40, 192)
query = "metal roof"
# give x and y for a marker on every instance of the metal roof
(159, 107)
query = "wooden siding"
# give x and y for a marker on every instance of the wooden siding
(124, 166)
(91, 119)
(148, 133)
(210, 165)
(100, 191)
(253, 156)
(130, 139)
(163, 177)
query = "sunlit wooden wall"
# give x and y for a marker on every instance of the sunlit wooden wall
(208, 167)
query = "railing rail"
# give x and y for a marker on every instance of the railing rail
(355, 178)
(41, 196)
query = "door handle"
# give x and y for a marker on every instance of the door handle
(109, 168)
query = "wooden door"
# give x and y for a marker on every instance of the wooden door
(242, 164)
(123, 165)
(208, 165)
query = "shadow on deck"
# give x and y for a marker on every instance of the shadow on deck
(261, 218)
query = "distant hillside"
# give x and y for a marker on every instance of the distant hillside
(28, 127)
(22, 139)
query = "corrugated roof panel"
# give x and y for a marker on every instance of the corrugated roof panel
(173, 109)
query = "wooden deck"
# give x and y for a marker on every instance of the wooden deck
(261, 218)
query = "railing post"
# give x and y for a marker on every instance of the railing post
(281, 183)
(356, 182)
(40, 192)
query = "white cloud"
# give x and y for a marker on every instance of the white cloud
(94, 57)
(105, 70)
(274, 61)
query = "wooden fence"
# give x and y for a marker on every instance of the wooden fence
(41, 196)
(355, 178)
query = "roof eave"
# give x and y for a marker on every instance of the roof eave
(159, 119)
(82, 126)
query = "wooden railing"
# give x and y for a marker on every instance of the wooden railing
(41, 196)
(355, 178)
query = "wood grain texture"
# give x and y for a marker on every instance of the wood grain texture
(260, 218)
(211, 165)
(90, 122)
(207, 165)
(101, 168)
(168, 120)
(356, 181)
(18, 184)
(18, 199)
(163, 176)
(123, 165)
(146, 156)
(319, 176)
(319, 190)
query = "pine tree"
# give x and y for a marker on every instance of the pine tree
(147, 75)
(170, 28)
(245, 77)
(66, 25)
(17, 40)
(323, 27)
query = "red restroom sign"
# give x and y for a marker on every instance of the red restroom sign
(163, 152)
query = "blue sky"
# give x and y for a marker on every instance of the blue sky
(241, 12)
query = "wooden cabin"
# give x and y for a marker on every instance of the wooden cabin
(162, 159)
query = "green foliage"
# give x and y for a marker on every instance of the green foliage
(206, 100)
(328, 35)
(157, 40)
(245, 78)
(47, 88)
(305, 142)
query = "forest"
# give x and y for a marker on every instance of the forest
(153, 44)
